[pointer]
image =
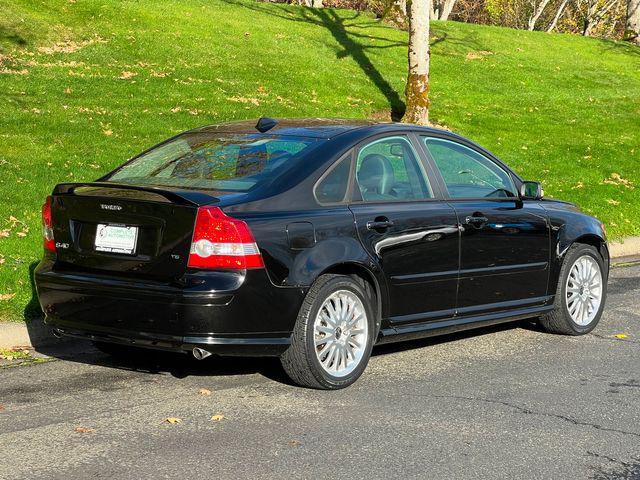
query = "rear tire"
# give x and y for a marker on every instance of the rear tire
(333, 335)
(581, 293)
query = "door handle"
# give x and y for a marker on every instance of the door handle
(476, 220)
(379, 224)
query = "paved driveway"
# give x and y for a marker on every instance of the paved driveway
(505, 402)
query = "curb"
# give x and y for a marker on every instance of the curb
(628, 247)
(36, 334)
(33, 333)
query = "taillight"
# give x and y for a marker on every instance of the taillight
(47, 225)
(220, 241)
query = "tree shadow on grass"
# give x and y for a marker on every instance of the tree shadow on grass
(342, 31)
(620, 47)
(10, 36)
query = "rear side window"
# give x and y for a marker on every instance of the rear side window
(388, 170)
(215, 161)
(467, 173)
(333, 187)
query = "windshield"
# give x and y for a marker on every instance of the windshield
(215, 161)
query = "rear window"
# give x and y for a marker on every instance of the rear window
(215, 161)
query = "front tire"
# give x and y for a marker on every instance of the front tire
(333, 335)
(581, 293)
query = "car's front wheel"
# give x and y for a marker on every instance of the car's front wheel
(581, 292)
(333, 336)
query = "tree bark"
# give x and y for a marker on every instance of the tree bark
(633, 21)
(536, 14)
(313, 3)
(441, 9)
(557, 17)
(595, 15)
(417, 89)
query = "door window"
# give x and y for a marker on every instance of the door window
(467, 173)
(388, 170)
(333, 187)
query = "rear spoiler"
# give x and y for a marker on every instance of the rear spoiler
(99, 189)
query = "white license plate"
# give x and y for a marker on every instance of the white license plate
(116, 238)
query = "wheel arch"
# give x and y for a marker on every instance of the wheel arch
(361, 271)
(568, 238)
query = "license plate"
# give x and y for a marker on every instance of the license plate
(116, 238)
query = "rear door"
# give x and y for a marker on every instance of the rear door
(504, 254)
(412, 234)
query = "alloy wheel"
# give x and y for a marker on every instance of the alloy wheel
(584, 290)
(341, 331)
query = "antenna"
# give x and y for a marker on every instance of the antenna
(265, 124)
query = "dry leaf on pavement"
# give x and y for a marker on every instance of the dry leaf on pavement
(217, 417)
(84, 430)
(173, 420)
(621, 335)
(204, 392)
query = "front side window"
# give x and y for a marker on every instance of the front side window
(215, 161)
(388, 170)
(467, 173)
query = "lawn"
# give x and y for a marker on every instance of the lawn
(84, 84)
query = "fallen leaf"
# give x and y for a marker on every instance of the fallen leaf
(125, 75)
(294, 443)
(108, 133)
(611, 201)
(1, 408)
(217, 417)
(205, 392)
(173, 420)
(84, 430)
(6, 296)
(621, 336)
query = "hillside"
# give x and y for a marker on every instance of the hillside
(84, 84)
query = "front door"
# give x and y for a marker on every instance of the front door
(412, 235)
(504, 251)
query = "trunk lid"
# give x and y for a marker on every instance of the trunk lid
(124, 230)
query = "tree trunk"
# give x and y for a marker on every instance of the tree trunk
(417, 89)
(633, 21)
(447, 8)
(536, 14)
(313, 3)
(557, 17)
(441, 9)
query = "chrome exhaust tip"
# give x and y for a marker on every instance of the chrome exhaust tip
(200, 354)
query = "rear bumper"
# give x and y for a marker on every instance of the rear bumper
(223, 312)
(224, 346)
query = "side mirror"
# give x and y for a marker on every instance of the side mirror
(531, 191)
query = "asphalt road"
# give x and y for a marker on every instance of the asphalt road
(506, 402)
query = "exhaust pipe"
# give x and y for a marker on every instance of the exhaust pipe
(200, 354)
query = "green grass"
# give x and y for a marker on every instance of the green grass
(85, 84)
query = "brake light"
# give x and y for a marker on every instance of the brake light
(47, 225)
(220, 241)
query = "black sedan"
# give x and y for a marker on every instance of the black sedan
(312, 240)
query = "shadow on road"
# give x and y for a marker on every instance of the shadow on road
(181, 366)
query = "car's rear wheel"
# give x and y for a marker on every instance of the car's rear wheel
(581, 293)
(333, 336)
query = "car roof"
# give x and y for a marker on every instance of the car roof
(321, 128)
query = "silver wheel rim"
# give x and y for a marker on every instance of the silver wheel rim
(584, 290)
(341, 332)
